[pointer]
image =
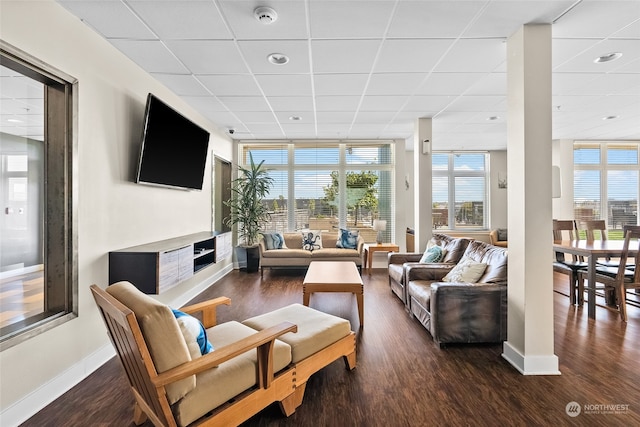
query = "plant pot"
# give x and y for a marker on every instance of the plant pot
(248, 258)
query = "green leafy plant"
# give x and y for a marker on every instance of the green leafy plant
(248, 211)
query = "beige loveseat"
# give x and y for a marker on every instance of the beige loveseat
(295, 256)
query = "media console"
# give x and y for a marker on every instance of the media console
(155, 267)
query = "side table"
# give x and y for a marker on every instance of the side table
(370, 248)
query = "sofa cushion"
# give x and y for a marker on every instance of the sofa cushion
(347, 239)
(467, 270)
(433, 254)
(334, 253)
(287, 253)
(495, 257)
(218, 385)
(161, 332)
(311, 240)
(455, 249)
(274, 241)
(316, 330)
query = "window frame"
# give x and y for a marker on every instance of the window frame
(60, 194)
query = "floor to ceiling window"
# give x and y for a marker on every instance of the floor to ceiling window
(328, 185)
(38, 244)
(459, 188)
(606, 183)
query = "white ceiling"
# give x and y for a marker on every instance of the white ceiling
(368, 69)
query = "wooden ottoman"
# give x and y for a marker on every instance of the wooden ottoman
(321, 339)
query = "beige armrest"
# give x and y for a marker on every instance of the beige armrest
(262, 341)
(208, 310)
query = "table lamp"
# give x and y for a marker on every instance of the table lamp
(379, 225)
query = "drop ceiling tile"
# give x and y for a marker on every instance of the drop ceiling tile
(631, 31)
(335, 117)
(596, 19)
(374, 117)
(343, 56)
(563, 50)
(259, 128)
(152, 56)
(182, 19)
(245, 103)
(300, 104)
(285, 85)
(411, 55)
(349, 19)
(337, 103)
(479, 55)
(299, 128)
(291, 22)
(490, 84)
(504, 18)
(383, 103)
(432, 19)
(584, 62)
(112, 19)
(571, 83)
(448, 83)
(19, 86)
(205, 104)
(475, 103)
(256, 52)
(607, 84)
(209, 56)
(182, 84)
(256, 116)
(230, 84)
(394, 83)
(428, 104)
(284, 117)
(339, 84)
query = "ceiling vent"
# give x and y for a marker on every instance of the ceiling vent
(265, 14)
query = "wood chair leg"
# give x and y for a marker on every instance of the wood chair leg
(139, 417)
(350, 360)
(289, 404)
(622, 302)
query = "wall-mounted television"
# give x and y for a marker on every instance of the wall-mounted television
(174, 149)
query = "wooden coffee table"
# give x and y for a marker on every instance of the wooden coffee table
(334, 276)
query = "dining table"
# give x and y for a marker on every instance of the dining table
(592, 250)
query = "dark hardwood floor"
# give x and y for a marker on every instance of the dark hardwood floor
(403, 378)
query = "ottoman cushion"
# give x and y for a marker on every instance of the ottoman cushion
(316, 330)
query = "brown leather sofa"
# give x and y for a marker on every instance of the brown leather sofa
(462, 312)
(398, 262)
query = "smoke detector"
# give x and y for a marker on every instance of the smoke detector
(265, 14)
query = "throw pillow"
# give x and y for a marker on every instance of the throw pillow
(311, 240)
(274, 241)
(502, 234)
(433, 254)
(194, 334)
(347, 239)
(466, 271)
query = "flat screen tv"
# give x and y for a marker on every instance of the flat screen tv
(174, 149)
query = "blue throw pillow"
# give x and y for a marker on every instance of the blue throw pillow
(347, 239)
(433, 254)
(274, 241)
(194, 333)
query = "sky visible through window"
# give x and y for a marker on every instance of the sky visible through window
(623, 184)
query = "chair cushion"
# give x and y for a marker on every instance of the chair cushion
(218, 385)
(161, 333)
(316, 330)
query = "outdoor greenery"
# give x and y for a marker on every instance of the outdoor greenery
(361, 192)
(248, 211)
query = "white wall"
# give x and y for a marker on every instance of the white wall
(113, 211)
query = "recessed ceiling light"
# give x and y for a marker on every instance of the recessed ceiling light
(608, 57)
(610, 118)
(295, 118)
(14, 121)
(278, 58)
(493, 118)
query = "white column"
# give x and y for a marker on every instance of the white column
(529, 346)
(422, 183)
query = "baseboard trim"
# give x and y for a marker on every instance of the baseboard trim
(29, 405)
(530, 365)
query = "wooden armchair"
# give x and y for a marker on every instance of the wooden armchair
(162, 374)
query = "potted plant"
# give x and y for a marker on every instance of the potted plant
(247, 209)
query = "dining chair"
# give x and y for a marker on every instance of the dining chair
(566, 230)
(620, 279)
